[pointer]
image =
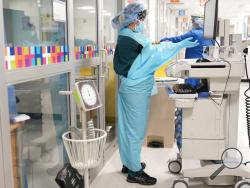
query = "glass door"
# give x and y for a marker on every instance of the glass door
(35, 40)
(39, 117)
(86, 49)
(109, 40)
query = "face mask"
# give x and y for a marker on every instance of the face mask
(139, 28)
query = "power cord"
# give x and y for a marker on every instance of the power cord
(247, 99)
(246, 163)
(217, 42)
(229, 72)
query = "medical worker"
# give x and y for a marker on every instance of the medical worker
(196, 52)
(135, 61)
(191, 53)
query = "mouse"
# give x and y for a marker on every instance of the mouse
(204, 60)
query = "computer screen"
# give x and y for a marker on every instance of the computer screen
(211, 19)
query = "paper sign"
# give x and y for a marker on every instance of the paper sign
(174, 1)
(59, 11)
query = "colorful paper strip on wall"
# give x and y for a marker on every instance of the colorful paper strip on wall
(23, 57)
(86, 52)
(109, 49)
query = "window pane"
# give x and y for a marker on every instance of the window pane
(32, 36)
(109, 12)
(85, 20)
(30, 22)
(37, 148)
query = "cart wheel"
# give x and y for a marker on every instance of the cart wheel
(242, 184)
(180, 184)
(174, 167)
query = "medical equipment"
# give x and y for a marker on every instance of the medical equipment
(85, 150)
(91, 130)
(211, 18)
(231, 158)
(210, 125)
(235, 50)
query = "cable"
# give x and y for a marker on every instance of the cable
(247, 101)
(217, 42)
(229, 73)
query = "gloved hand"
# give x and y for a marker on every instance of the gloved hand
(187, 43)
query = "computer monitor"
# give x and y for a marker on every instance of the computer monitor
(211, 19)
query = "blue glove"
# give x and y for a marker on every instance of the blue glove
(187, 43)
(164, 39)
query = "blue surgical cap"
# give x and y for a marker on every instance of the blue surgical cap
(127, 16)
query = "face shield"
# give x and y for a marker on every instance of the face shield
(142, 15)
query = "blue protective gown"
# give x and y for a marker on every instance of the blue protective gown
(195, 52)
(134, 96)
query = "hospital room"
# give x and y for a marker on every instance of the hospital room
(124, 93)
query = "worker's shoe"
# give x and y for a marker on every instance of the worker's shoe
(125, 169)
(141, 178)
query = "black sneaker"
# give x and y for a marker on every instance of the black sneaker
(141, 178)
(125, 169)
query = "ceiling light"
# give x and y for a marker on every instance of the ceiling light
(86, 8)
(107, 14)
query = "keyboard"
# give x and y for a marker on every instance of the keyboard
(183, 89)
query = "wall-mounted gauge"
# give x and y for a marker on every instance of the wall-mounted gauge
(86, 95)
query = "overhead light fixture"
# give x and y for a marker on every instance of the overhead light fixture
(92, 11)
(107, 14)
(86, 8)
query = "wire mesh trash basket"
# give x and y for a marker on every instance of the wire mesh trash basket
(85, 153)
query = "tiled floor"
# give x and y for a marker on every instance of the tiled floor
(156, 159)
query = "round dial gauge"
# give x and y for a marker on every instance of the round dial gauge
(88, 94)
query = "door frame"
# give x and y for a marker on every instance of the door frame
(24, 75)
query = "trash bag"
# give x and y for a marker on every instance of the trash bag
(69, 177)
